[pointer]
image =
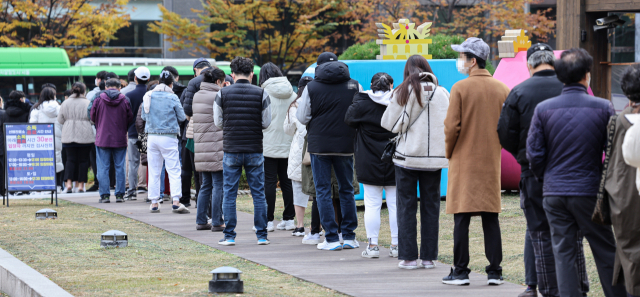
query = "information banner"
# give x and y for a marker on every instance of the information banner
(30, 157)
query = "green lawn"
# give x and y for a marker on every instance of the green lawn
(156, 263)
(512, 225)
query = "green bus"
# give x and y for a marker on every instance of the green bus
(26, 69)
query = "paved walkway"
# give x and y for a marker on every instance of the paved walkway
(344, 271)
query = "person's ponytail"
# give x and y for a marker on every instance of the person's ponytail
(79, 89)
(381, 82)
(166, 78)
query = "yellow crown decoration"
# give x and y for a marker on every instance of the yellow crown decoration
(512, 42)
(404, 40)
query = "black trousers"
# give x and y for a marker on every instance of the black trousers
(275, 169)
(61, 175)
(492, 241)
(2, 177)
(316, 226)
(188, 172)
(567, 215)
(407, 182)
(77, 164)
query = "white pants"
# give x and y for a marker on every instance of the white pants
(159, 148)
(372, 205)
(299, 198)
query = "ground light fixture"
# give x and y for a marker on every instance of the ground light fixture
(226, 280)
(46, 213)
(114, 238)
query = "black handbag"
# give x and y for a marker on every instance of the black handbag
(602, 211)
(389, 152)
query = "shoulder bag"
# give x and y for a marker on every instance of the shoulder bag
(602, 211)
(389, 152)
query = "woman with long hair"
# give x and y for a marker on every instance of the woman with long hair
(46, 111)
(298, 131)
(162, 127)
(376, 176)
(416, 112)
(208, 152)
(276, 146)
(77, 137)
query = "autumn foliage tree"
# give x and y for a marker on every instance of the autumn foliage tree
(75, 25)
(285, 32)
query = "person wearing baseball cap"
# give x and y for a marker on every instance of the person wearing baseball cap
(141, 78)
(473, 149)
(513, 129)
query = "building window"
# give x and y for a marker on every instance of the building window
(136, 35)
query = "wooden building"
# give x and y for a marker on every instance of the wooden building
(575, 21)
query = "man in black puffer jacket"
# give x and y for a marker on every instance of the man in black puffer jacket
(186, 99)
(322, 108)
(242, 111)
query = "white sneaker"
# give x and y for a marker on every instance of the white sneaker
(415, 264)
(333, 246)
(286, 225)
(311, 239)
(370, 252)
(393, 251)
(340, 237)
(350, 244)
(429, 264)
(254, 229)
(269, 226)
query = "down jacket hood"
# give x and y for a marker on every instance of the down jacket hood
(16, 109)
(50, 108)
(332, 73)
(114, 97)
(278, 87)
(380, 97)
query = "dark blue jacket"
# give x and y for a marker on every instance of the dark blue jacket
(566, 141)
(135, 96)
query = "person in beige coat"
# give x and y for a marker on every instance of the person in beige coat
(208, 152)
(621, 184)
(77, 137)
(473, 150)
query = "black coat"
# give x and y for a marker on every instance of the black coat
(187, 100)
(17, 112)
(365, 115)
(3, 119)
(515, 119)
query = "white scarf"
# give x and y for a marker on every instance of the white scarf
(146, 100)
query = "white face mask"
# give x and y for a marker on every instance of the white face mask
(461, 68)
(589, 81)
(96, 82)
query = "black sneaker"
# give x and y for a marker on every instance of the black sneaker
(105, 199)
(131, 196)
(119, 198)
(298, 232)
(455, 278)
(93, 188)
(494, 278)
(142, 190)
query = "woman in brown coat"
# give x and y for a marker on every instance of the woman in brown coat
(208, 150)
(620, 183)
(473, 150)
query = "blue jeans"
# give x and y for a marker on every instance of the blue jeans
(210, 195)
(103, 161)
(343, 167)
(254, 170)
(162, 176)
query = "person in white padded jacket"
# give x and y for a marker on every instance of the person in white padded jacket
(46, 111)
(294, 167)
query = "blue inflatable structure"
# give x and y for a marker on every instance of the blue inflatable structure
(363, 70)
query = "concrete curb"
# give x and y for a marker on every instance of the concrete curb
(18, 279)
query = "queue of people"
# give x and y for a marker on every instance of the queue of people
(319, 143)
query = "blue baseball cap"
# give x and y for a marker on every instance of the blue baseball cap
(200, 60)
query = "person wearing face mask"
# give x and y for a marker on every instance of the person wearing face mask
(473, 149)
(565, 145)
(513, 128)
